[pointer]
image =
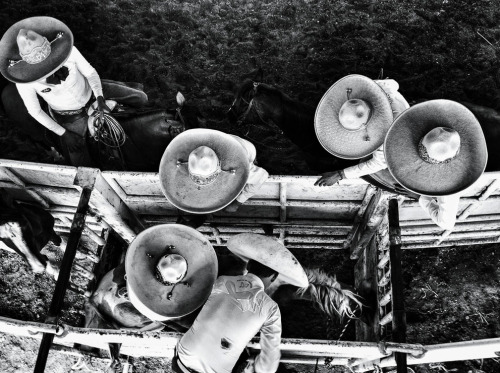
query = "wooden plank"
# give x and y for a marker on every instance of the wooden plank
(429, 244)
(107, 205)
(283, 202)
(459, 227)
(369, 193)
(398, 307)
(470, 219)
(373, 216)
(365, 269)
(454, 236)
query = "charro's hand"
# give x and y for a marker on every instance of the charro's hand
(233, 206)
(329, 178)
(101, 106)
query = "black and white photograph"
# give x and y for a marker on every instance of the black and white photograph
(250, 186)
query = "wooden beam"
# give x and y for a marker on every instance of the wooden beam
(283, 202)
(365, 270)
(106, 204)
(370, 191)
(375, 212)
(398, 307)
(18, 181)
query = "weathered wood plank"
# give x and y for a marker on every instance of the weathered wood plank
(365, 269)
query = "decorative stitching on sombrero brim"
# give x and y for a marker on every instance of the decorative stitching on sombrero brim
(422, 152)
(205, 180)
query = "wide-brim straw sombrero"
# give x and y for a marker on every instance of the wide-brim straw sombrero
(147, 293)
(23, 72)
(189, 196)
(421, 177)
(341, 142)
(271, 253)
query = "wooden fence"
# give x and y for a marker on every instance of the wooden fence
(350, 215)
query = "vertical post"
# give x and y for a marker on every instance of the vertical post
(88, 176)
(398, 307)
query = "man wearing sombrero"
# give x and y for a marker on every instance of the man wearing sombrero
(437, 149)
(38, 55)
(351, 121)
(203, 171)
(238, 308)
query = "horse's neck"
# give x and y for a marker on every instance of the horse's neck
(297, 117)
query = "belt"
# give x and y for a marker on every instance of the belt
(74, 112)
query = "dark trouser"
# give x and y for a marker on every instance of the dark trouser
(76, 124)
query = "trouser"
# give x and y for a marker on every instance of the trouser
(77, 124)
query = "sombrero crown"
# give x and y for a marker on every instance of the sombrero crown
(53, 47)
(203, 170)
(436, 148)
(353, 117)
(271, 253)
(170, 271)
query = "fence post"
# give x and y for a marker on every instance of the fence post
(398, 308)
(85, 178)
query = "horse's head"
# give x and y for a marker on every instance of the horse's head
(256, 101)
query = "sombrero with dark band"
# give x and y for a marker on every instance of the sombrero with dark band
(271, 253)
(192, 193)
(15, 69)
(170, 271)
(362, 141)
(407, 162)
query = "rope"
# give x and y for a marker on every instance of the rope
(108, 131)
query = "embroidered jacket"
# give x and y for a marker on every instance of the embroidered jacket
(72, 94)
(237, 309)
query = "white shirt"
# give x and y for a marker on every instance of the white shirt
(257, 175)
(442, 210)
(72, 94)
(378, 162)
(234, 313)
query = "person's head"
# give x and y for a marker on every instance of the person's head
(266, 274)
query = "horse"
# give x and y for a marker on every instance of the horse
(147, 131)
(259, 103)
(264, 104)
(26, 229)
(110, 308)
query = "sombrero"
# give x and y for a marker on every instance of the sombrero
(203, 170)
(14, 68)
(170, 271)
(436, 126)
(270, 252)
(353, 117)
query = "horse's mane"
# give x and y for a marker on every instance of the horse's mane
(326, 292)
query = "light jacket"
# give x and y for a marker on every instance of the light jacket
(72, 94)
(257, 175)
(237, 309)
(378, 162)
(442, 210)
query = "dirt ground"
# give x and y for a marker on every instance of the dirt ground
(204, 48)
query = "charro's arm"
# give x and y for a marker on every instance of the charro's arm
(30, 99)
(88, 71)
(270, 338)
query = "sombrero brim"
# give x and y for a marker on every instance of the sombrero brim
(352, 144)
(271, 253)
(421, 177)
(147, 294)
(183, 192)
(23, 72)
